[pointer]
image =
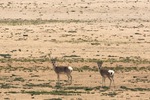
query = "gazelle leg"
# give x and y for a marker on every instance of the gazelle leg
(68, 77)
(58, 77)
(71, 79)
(110, 81)
(113, 82)
(103, 81)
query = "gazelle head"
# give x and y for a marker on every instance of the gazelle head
(99, 63)
(53, 60)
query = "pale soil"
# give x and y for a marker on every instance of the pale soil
(88, 29)
(43, 78)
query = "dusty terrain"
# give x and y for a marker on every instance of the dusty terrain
(78, 32)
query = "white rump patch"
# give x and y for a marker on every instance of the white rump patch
(111, 72)
(70, 68)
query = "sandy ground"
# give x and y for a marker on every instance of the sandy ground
(89, 29)
(39, 81)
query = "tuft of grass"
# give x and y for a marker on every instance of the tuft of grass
(127, 69)
(72, 31)
(95, 43)
(13, 92)
(86, 68)
(76, 58)
(104, 88)
(38, 21)
(72, 56)
(61, 92)
(6, 86)
(54, 92)
(19, 79)
(84, 88)
(79, 88)
(111, 94)
(5, 55)
(54, 99)
(38, 85)
(135, 89)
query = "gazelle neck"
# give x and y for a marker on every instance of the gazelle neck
(99, 68)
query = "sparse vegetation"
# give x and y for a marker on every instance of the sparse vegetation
(54, 99)
(39, 21)
(55, 92)
(38, 85)
(81, 69)
(5, 55)
(96, 43)
(60, 89)
(19, 79)
(134, 89)
(111, 94)
(6, 86)
(72, 56)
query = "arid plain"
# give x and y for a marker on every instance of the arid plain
(78, 33)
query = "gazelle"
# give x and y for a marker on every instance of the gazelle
(105, 73)
(62, 70)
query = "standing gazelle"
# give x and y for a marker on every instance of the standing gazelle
(62, 70)
(105, 73)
